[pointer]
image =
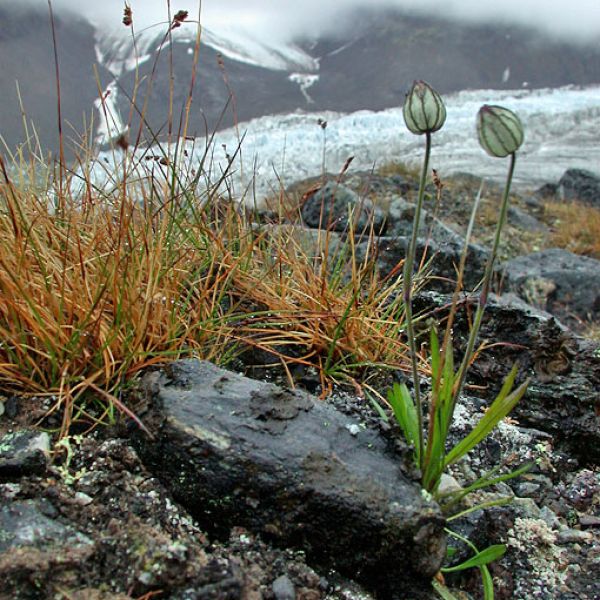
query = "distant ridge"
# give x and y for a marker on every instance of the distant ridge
(370, 66)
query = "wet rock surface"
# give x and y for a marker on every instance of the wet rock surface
(334, 207)
(235, 450)
(557, 281)
(580, 184)
(563, 398)
(24, 453)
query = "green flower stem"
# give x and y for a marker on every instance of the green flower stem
(407, 292)
(487, 279)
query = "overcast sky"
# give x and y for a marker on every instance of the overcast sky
(574, 19)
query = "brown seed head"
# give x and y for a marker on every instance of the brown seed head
(127, 16)
(179, 18)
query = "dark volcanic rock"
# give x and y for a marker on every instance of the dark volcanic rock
(24, 453)
(239, 451)
(579, 184)
(332, 206)
(563, 398)
(558, 281)
(440, 245)
(32, 544)
(442, 252)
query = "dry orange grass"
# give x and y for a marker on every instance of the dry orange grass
(99, 283)
(89, 295)
(99, 289)
(576, 227)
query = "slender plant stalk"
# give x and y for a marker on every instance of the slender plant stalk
(408, 272)
(487, 279)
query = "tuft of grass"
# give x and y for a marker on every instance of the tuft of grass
(395, 167)
(576, 227)
(147, 269)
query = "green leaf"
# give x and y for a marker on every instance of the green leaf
(442, 590)
(435, 354)
(486, 480)
(406, 414)
(501, 406)
(485, 557)
(488, 583)
(378, 408)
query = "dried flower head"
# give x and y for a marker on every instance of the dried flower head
(179, 18)
(122, 141)
(127, 16)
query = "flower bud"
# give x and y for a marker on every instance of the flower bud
(423, 110)
(500, 130)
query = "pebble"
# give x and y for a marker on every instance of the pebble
(284, 589)
(83, 499)
(589, 521)
(550, 518)
(353, 429)
(573, 536)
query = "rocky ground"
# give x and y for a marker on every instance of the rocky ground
(115, 514)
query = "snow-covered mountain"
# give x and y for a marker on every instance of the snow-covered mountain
(239, 77)
(561, 132)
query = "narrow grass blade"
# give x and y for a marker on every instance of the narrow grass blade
(499, 409)
(406, 414)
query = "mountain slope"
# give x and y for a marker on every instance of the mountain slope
(26, 57)
(371, 65)
(374, 68)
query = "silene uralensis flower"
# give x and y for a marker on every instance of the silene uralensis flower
(500, 131)
(424, 110)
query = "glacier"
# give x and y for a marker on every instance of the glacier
(562, 130)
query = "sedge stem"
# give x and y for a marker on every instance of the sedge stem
(485, 288)
(407, 284)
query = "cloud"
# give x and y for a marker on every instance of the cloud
(571, 19)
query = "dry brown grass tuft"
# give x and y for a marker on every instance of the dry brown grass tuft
(576, 227)
(410, 172)
(99, 281)
(107, 285)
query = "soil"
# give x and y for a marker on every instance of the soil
(144, 545)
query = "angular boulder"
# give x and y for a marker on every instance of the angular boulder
(580, 184)
(557, 281)
(24, 452)
(442, 254)
(331, 206)
(236, 451)
(33, 544)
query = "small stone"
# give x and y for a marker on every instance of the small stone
(283, 588)
(549, 518)
(354, 429)
(574, 536)
(448, 485)
(9, 491)
(527, 489)
(11, 407)
(589, 521)
(83, 499)
(24, 453)
(528, 507)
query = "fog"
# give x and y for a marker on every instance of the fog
(576, 20)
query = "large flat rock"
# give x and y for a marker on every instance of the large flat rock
(236, 451)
